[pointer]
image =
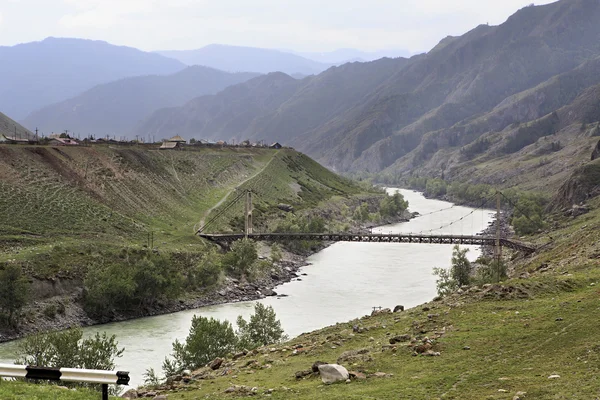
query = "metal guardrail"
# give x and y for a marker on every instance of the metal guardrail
(103, 378)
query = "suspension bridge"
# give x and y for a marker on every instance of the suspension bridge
(497, 241)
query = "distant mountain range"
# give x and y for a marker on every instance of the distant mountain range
(239, 58)
(33, 75)
(342, 56)
(115, 108)
(501, 93)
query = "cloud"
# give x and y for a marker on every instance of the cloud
(1, 18)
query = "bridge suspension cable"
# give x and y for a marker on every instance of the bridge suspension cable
(483, 203)
(221, 212)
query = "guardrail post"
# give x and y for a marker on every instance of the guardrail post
(104, 391)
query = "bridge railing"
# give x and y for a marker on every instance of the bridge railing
(94, 376)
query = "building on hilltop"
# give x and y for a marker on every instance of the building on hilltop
(276, 146)
(176, 142)
(58, 141)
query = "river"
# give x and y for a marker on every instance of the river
(343, 282)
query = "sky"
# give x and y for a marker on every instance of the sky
(300, 25)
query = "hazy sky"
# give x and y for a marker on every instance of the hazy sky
(302, 25)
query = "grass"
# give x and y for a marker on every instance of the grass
(518, 333)
(24, 391)
(58, 205)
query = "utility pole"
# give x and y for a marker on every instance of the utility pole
(36, 135)
(498, 223)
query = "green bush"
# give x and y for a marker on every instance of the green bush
(241, 258)
(208, 339)
(68, 349)
(391, 206)
(207, 272)
(458, 275)
(139, 280)
(262, 329)
(14, 294)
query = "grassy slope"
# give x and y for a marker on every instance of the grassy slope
(22, 391)
(514, 330)
(80, 197)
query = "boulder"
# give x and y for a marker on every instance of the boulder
(130, 394)
(302, 374)
(353, 356)
(357, 375)
(216, 363)
(332, 373)
(398, 308)
(285, 207)
(380, 312)
(316, 364)
(400, 339)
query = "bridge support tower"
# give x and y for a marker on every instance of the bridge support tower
(248, 213)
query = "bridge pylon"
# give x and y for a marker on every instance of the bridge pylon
(248, 220)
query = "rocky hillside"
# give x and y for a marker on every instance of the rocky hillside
(115, 108)
(472, 94)
(12, 128)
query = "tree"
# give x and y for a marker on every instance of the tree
(461, 266)
(242, 256)
(262, 329)
(458, 275)
(14, 293)
(68, 349)
(207, 340)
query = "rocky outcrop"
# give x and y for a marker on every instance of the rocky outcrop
(596, 152)
(581, 186)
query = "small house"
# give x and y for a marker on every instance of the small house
(57, 141)
(177, 139)
(168, 145)
(276, 146)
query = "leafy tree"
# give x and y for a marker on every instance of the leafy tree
(391, 206)
(461, 266)
(14, 293)
(262, 329)
(241, 258)
(68, 349)
(458, 275)
(361, 213)
(445, 284)
(207, 272)
(207, 340)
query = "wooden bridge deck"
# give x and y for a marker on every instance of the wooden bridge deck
(371, 237)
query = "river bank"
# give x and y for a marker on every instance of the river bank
(65, 297)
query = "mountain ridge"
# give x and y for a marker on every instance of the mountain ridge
(37, 74)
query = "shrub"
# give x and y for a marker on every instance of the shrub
(207, 340)
(391, 206)
(68, 349)
(491, 270)
(458, 275)
(276, 254)
(262, 329)
(241, 258)
(461, 266)
(14, 293)
(208, 271)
